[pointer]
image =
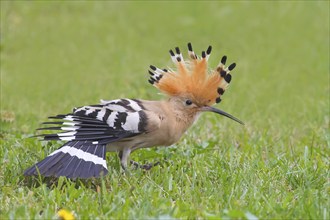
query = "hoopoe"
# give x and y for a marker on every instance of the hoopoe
(125, 125)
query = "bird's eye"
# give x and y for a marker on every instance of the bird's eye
(188, 102)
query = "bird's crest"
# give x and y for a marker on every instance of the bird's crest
(192, 78)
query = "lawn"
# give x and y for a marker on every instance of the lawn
(59, 55)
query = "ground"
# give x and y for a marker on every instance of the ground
(60, 55)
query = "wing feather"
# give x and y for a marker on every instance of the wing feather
(104, 123)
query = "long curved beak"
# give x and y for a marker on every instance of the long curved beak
(220, 112)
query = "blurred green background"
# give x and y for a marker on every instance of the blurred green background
(56, 55)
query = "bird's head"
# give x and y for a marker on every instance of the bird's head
(192, 87)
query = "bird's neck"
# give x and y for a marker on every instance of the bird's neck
(182, 120)
(167, 120)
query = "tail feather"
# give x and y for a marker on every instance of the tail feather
(72, 164)
(75, 159)
(44, 165)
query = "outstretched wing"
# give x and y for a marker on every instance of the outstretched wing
(107, 122)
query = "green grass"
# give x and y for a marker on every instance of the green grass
(58, 55)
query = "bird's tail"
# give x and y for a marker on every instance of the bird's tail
(75, 159)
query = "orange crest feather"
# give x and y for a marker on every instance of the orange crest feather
(192, 78)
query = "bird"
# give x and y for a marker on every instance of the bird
(125, 125)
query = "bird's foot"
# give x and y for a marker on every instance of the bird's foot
(147, 166)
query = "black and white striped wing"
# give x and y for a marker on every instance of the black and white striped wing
(88, 130)
(107, 122)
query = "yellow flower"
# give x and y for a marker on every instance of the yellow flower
(64, 214)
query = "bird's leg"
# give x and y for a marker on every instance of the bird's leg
(135, 164)
(123, 156)
(147, 166)
(120, 155)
